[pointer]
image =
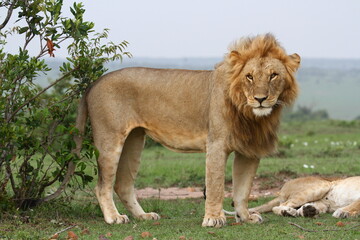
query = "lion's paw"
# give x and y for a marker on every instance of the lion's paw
(340, 213)
(116, 219)
(149, 216)
(285, 211)
(214, 222)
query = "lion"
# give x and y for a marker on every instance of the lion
(234, 108)
(311, 196)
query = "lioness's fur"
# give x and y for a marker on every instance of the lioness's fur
(234, 108)
(310, 196)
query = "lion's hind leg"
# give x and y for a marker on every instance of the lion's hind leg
(109, 153)
(351, 210)
(126, 174)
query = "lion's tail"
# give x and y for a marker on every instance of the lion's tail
(267, 207)
(80, 124)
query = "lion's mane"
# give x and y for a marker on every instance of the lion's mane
(256, 135)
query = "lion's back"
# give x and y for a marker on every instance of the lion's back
(181, 84)
(171, 105)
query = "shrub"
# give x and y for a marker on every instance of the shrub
(36, 125)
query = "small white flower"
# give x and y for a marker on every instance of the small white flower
(292, 145)
(305, 144)
(316, 141)
(312, 166)
(355, 143)
(305, 166)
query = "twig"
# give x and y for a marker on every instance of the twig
(61, 231)
(322, 230)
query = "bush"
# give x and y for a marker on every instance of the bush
(36, 125)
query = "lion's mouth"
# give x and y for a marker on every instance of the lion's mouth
(262, 111)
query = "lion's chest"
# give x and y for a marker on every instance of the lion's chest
(179, 141)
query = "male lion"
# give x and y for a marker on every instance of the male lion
(234, 108)
(310, 196)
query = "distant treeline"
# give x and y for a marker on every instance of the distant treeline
(304, 113)
(329, 87)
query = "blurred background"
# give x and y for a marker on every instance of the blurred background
(196, 34)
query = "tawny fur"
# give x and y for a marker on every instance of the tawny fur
(234, 108)
(310, 196)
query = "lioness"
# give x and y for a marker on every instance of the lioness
(310, 196)
(234, 108)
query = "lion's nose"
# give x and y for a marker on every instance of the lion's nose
(260, 99)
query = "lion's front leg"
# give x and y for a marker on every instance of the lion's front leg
(244, 170)
(215, 180)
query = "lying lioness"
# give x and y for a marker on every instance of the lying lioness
(310, 196)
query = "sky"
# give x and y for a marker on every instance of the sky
(205, 28)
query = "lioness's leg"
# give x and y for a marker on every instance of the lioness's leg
(289, 207)
(312, 209)
(127, 171)
(244, 171)
(110, 150)
(351, 210)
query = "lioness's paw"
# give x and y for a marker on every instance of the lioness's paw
(285, 211)
(307, 210)
(117, 219)
(149, 216)
(254, 217)
(340, 213)
(214, 222)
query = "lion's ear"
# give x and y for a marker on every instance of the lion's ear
(294, 62)
(234, 56)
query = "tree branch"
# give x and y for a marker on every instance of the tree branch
(8, 16)
(10, 176)
(69, 174)
(37, 95)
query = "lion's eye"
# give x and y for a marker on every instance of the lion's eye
(273, 76)
(249, 77)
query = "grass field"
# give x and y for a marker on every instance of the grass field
(179, 218)
(323, 147)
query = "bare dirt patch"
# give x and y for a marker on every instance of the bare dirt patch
(260, 188)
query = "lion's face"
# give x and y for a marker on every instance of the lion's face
(261, 76)
(263, 80)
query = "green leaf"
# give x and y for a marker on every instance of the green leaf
(23, 29)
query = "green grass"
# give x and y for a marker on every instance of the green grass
(331, 147)
(179, 218)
